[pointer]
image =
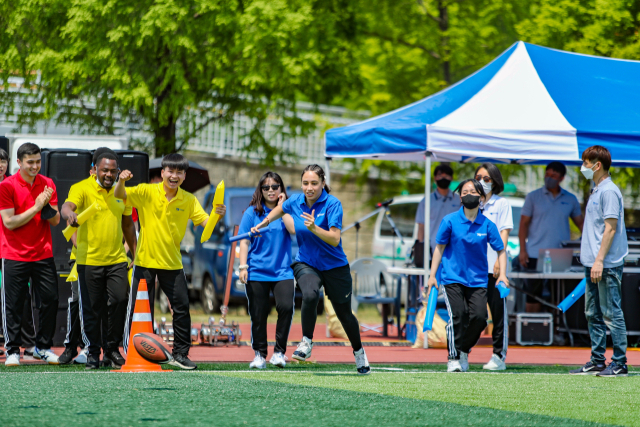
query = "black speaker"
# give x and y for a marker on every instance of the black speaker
(4, 143)
(137, 162)
(65, 167)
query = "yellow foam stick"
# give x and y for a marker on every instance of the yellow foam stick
(218, 199)
(73, 276)
(85, 215)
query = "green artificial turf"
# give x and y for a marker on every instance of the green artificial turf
(315, 394)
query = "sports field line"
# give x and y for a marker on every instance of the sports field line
(290, 372)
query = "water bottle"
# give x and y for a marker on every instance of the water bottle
(547, 263)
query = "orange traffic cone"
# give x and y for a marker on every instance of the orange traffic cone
(140, 323)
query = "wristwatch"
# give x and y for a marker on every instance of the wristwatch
(243, 267)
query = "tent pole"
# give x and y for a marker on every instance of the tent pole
(427, 225)
(327, 171)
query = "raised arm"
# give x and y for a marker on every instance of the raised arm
(120, 192)
(276, 213)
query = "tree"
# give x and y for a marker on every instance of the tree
(96, 64)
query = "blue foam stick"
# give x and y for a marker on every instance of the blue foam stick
(431, 309)
(503, 289)
(247, 236)
(573, 296)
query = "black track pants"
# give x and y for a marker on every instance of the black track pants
(467, 317)
(260, 307)
(102, 289)
(16, 276)
(174, 285)
(337, 284)
(499, 316)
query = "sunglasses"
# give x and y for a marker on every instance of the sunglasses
(273, 187)
(483, 178)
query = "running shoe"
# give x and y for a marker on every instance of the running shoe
(362, 364)
(614, 370)
(454, 366)
(464, 362)
(66, 358)
(82, 357)
(495, 364)
(113, 359)
(12, 360)
(589, 368)
(259, 362)
(303, 352)
(46, 355)
(182, 361)
(278, 359)
(93, 362)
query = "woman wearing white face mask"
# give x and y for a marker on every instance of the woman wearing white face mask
(462, 248)
(498, 210)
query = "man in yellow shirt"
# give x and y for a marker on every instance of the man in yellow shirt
(101, 259)
(164, 210)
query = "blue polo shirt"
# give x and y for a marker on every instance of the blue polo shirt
(465, 257)
(270, 255)
(312, 250)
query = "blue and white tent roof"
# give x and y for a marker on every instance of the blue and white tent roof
(530, 105)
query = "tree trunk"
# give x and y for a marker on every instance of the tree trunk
(165, 139)
(444, 41)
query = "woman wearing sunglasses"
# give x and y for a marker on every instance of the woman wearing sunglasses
(461, 247)
(498, 210)
(265, 267)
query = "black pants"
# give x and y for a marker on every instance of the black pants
(338, 286)
(15, 289)
(260, 307)
(467, 317)
(27, 327)
(499, 316)
(102, 289)
(174, 285)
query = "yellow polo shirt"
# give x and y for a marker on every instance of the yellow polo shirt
(163, 224)
(100, 237)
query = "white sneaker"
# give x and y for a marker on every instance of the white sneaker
(279, 360)
(46, 355)
(12, 360)
(258, 362)
(454, 366)
(464, 361)
(81, 359)
(495, 364)
(303, 352)
(362, 364)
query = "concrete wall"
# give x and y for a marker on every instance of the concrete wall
(355, 201)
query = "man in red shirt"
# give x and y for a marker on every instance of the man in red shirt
(28, 206)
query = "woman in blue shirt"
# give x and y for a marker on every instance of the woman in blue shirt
(320, 261)
(462, 249)
(264, 268)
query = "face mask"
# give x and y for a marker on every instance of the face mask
(470, 201)
(486, 186)
(588, 173)
(443, 183)
(550, 183)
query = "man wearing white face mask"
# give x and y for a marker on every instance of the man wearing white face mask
(602, 251)
(544, 224)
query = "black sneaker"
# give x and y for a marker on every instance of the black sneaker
(67, 356)
(589, 369)
(93, 362)
(614, 370)
(113, 359)
(182, 361)
(1, 352)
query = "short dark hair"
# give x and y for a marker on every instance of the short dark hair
(476, 184)
(4, 155)
(444, 168)
(27, 149)
(557, 167)
(496, 177)
(104, 153)
(175, 161)
(598, 153)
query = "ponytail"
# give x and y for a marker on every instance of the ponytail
(318, 171)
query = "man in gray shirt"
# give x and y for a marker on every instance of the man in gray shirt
(602, 252)
(544, 224)
(443, 202)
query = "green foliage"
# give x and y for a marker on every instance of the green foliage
(150, 63)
